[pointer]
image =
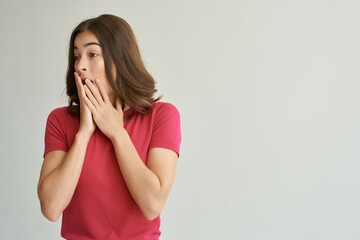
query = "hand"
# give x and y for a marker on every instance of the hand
(87, 124)
(107, 118)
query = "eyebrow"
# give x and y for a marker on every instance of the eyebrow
(88, 44)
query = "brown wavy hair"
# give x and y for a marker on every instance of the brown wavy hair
(133, 84)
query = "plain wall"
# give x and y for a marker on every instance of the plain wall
(268, 93)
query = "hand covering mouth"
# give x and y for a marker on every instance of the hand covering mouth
(83, 80)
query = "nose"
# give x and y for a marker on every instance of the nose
(81, 65)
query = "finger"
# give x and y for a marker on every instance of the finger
(102, 91)
(77, 79)
(79, 86)
(95, 91)
(89, 105)
(90, 96)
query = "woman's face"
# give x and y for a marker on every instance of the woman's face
(89, 60)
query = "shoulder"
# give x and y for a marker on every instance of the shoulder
(161, 108)
(60, 114)
(165, 114)
(59, 111)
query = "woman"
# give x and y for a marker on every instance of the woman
(110, 156)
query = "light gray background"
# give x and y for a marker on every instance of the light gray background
(268, 93)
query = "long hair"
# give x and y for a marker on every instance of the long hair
(133, 84)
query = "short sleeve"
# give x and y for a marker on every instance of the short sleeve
(55, 137)
(166, 128)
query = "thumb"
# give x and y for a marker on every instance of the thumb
(118, 104)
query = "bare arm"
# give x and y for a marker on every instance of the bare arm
(148, 184)
(59, 176)
(61, 171)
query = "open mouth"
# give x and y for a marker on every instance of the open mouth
(83, 81)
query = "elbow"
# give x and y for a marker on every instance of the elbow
(52, 216)
(151, 215)
(152, 211)
(49, 214)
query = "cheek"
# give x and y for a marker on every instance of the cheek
(99, 66)
(108, 88)
(99, 72)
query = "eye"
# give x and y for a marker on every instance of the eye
(93, 54)
(76, 58)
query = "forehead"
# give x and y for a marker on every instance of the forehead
(83, 38)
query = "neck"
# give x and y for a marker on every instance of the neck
(113, 101)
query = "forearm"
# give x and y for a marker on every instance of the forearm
(143, 184)
(57, 188)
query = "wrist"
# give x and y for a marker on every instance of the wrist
(119, 135)
(85, 137)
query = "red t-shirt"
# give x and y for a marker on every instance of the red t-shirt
(102, 206)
